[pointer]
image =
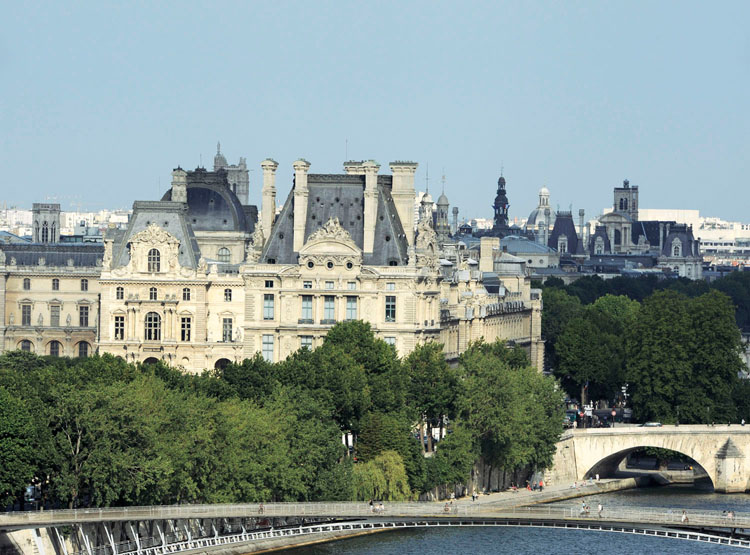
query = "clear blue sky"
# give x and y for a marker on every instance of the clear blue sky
(99, 101)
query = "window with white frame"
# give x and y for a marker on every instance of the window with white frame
(351, 308)
(119, 328)
(83, 316)
(186, 293)
(268, 306)
(306, 341)
(329, 285)
(25, 314)
(152, 327)
(307, 309)
(329, 312)
(224, 255)
(226, 330)
(267, 346)
(154, 260)
(390, 308)
(351, 285)
(152, 293)
(390, 286)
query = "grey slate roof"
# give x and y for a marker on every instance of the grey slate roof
(82, 255)
(170, 216)
(212, 206)
(564, 225)
(340, 196)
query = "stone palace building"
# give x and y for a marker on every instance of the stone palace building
(200, 279)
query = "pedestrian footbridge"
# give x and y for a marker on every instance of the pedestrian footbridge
(721, 450)
(200, 528)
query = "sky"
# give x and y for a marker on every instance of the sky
(100, 101)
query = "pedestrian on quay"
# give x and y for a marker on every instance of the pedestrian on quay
(583, 508)
(261, 509)
(599, 510)
(541, 485)
(684, 517)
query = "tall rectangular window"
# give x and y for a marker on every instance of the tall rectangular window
(390, 340)
(119, 328)
(268, 348)
(226, 330)
(351, 308)
(268, 307)
(54, 315)
(25, 314)
(55, 284)
(307, 312)
(390, 308)
(185, 322)
(306, 341)
(328, 308)
(84, 285)
(269, 283)
(83, 316)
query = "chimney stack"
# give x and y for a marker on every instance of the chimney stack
(268, 206)
(301, 168)
(370, 168)
(402, 191)
(179, 185)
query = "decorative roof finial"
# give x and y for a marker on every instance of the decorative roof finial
(443, 180)
(218, 147)
(427, 178)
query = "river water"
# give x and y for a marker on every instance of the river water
(537, 541)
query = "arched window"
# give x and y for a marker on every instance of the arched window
(26, 284)
(562, 244)
(55, 284)
(83, 349)
(120, 293)
(26, 345)
(154, 260)
(54, 348)
(152, 329)
(152, 293)
(227, 295)
(676, 248)
(186, 294)
(45, 233)
(224, 255)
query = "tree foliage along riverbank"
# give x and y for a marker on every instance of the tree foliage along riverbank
(676, 343)
(101, 432)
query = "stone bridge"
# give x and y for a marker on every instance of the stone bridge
(722, 451)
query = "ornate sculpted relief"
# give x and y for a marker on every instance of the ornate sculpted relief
(331, 244)
(330, 230)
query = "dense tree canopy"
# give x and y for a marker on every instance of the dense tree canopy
(100, 432)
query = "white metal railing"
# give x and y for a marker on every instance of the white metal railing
(639, 515)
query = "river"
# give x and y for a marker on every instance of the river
(537, 541)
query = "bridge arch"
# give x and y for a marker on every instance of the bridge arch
(610, 463)
(720, 450)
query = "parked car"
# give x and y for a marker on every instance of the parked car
(651, 425)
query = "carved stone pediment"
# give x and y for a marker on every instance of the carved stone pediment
(332, 242)
(154, 235)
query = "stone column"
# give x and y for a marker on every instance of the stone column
(371, 203)
(268, 206)
(301, 168)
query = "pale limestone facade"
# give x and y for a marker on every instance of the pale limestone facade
(49, 299)
(198, 281)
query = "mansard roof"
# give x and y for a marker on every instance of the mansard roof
(78, 255)
(564, 225)
(341, 196)
(169, 216)
(213, 206)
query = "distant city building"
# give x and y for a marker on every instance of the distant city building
(238, 175)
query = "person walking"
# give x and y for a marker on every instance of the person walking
(599, 510)
(541, 485)
(684, 518)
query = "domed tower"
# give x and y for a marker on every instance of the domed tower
(442, 223)
(220, 162)
(501, 206)
(542, 217)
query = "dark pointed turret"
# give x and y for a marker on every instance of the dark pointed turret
(501, 206)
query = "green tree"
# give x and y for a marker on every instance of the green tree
(382, 478)
(17, 459)
(559, 309)
(434, 387)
